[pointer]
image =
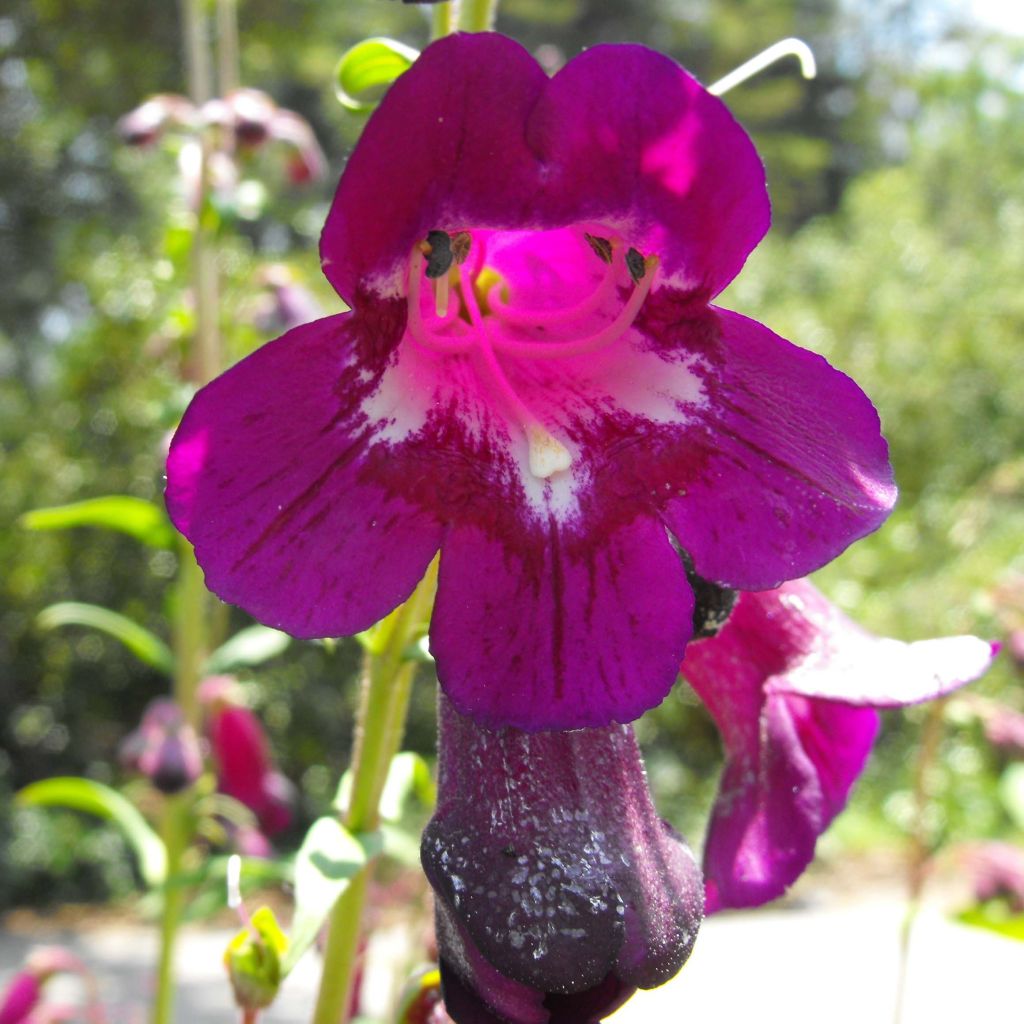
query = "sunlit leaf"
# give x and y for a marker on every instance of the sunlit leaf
(103, 802)
(140, 519)
(145, 645)
(408, 775)
(995, 917)
(1011, 793)
(329, 859)
(250, 646)
(368, 68)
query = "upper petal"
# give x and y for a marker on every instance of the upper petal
(272, 476)
(476, 135)
(791, 466)
(555, 628)
(637, 142)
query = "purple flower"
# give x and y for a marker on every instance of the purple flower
(532, 379)
(559, 890)
(164, 748)
(793, 685)
(242, 754)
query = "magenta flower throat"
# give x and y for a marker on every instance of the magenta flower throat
(533, 380)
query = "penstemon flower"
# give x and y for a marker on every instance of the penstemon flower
(793, 685)
(534, 380)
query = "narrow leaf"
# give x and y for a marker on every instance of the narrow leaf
(1011, 793)
(140, 519)
(408, 776)
(250, 646)
(103, 802)
(367, 69)
(145, 645)
(329, 859)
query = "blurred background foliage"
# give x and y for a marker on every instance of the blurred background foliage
(898, 253)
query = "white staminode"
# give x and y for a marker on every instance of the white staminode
(547, 454)
(784, 48)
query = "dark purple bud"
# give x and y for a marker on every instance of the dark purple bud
(559, 890)
(165, 748)
(251, 113)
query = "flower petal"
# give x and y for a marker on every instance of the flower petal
(789, 681)
(556, 629)
(476, 135)
(445, 148)
(271, 477)
(779, 793)
(637, 142)
(793, 467)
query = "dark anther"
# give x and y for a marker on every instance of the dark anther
(601, 246)
(440, 256)
(712, 604)
(460, 246)
(712, 607)
(635, 264)
(508, 851)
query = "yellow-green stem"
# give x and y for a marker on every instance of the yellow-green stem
(228, 74)
(175, 830)
(920, 842)
(477, 15)
(380, 723)
(190, 620)
(443, 21)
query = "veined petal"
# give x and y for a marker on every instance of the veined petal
(476, 135)
(794, 467)
(555, 628)
(446, 146)
(270, 476)
(636, 141)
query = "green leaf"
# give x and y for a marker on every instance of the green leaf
(995, 917)
(250, 646)
(103, 802)
(329, 859)
(138, 518)
(1011, 793)
(367, 69)
(408, 776)
(140, 641)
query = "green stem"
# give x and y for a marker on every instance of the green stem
(921, 844)
(228, 74)
(380, 723)
(443, 21)
(478, 15)
(190, 621)
(175, 830)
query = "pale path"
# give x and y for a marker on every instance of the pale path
(833, 963)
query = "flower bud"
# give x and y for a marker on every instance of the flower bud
(559, 890)
(253, 961)
(164, 748)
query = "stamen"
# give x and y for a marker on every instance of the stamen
(635, 264)
(441, 295)
(439, 253)
(460, 244)
(547, 454)
(602, 247)
(601, 339)
(417, 328)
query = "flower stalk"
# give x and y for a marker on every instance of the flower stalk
(380, 724)
(478, 15)
(190, 618)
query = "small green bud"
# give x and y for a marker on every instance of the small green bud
(253, 959)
